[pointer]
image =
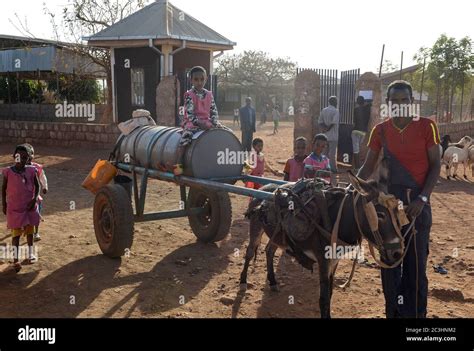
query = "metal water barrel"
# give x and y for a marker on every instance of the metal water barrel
(155, 147)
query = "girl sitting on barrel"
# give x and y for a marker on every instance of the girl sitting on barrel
(200, 113)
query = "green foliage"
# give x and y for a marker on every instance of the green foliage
(86, 90)
(449, 68)
(29, 90)
(257, 72)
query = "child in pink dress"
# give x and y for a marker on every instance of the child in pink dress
(20, 192)
(258, 166)
(44, 185)
(317, 164)
(200, 113)
(294, 168)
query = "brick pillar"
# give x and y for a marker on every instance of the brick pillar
(369, 81)
(166, 101)
(307, 106)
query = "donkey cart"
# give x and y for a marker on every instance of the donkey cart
(212, 167)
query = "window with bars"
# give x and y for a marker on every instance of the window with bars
(138, 86)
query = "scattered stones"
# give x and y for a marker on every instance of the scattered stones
(461, 265)
(225, 300)
(72, 236)
(447, 294)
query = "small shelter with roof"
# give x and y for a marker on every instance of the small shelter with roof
(152, 51)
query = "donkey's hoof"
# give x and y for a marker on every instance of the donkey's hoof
(274, 288)
(243, 287)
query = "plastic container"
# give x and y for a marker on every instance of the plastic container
(101, 175)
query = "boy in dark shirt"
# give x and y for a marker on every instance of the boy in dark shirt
(361, 125)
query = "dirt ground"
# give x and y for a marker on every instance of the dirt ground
(169, 274)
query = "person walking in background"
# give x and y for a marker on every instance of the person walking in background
(276, 119)
(361, 125)
(248, 121)
(329, 124)
(236, 117)
(265, 112)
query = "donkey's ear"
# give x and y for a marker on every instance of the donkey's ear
(364, 188)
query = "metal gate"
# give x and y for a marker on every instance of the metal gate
(328, 84)
(345, 90)
(347, 95)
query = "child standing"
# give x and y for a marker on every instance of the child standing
(236, 117)
(20, 192)
(294, 168)
(276, 119)
(200, 113)
(317, 164)
(259, 166)
(43, 183)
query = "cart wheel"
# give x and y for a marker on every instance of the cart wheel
(214, 224)
(113, 220)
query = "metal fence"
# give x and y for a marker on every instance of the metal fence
(328, 83)
(347, 95)
(343, 88)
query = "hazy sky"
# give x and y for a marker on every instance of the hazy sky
(336, 34)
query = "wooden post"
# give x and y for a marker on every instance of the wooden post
(18, 87)
(381, 61)
(422, 83)
(401, 67)
(38, 89)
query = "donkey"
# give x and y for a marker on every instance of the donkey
(352, 228)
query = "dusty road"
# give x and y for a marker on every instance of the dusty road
(168, 274)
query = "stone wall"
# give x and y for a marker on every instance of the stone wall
(84, 135)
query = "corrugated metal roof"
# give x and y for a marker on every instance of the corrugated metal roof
(161, 20)
(16, 41)
(49, 59)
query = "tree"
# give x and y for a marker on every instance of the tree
(82, 18)
(450, 65)
(256, 71)
(28, 90)
(76, 90)
(388, 67)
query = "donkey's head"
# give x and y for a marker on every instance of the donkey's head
(379, 218)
